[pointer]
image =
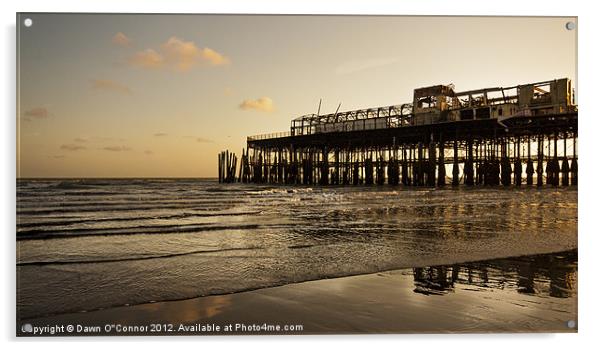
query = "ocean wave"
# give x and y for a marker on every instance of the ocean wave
(133, 218)
(42, 234)
(88, 209)
(133, 258)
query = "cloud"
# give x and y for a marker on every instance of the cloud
(200, 139)
(160, 134)
(37, 112)
(148, 152)
(361, 65)
(110, 85)
(263, 104)
(117, 148)
(121, 39)
(149, 59)
(105, 139)
(72, 147)
(80, 140)
(179, 55)
(57, 157)
(213, 57)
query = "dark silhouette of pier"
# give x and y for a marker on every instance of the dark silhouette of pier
(526, 134)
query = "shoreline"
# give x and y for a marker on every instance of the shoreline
(411, 300)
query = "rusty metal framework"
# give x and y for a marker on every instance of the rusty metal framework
(440, 103)
(361, 119)
(488, 136)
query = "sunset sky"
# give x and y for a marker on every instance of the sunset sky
(161, 95)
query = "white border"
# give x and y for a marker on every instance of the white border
(590, 94)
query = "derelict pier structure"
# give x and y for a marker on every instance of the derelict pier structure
(525, 134)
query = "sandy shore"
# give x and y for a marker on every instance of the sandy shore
(388, 302)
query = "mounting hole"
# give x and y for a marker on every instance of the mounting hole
(570, 25)
(27, 22)
(571, 324)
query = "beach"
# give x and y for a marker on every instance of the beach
(331, 259)
(526, 294)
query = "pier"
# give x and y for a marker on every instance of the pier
(520, 135)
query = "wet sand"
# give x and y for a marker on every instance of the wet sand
(534, 294)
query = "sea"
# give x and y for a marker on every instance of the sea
(93, 244)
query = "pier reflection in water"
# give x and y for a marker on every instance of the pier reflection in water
(553, 275)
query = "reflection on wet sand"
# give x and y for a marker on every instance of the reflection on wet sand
(525, 294)
(553, 275)
(134, 242)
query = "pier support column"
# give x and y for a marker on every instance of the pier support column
(539, 169)
(468, 167)
(565, 171)
(518, 164)
(324, 167)
(380, 169)
(555, 163)
(456, 167)
(432, 164)
(414, 163)
(393, 169)
(355, 177)
(495, 166)
(405, 180)
(346, 169)
(574, 172)
(505, 164)
(335, 173)
(565, 164)
(420, 167)
(574, 162)
(552, 167)
(441, 167)
(530, 170)
(369, 171)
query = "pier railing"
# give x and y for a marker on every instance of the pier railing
(273, 135)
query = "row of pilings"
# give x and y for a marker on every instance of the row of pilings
(534, 160)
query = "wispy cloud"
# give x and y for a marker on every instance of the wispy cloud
(148, 152)
(199, 139)
(116, 148)
(80, 140)
(111, 86)
(121, 39)
(160, 134)
(36, 113)
(263, 104)
(178, 55)
(362, 65)
(106, 139)
(72, 147)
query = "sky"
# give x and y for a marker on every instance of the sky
(107, 95)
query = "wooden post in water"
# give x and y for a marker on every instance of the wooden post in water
(505, 164)
(574, 162)
(518, 164)
(539, 169)
(441, 167)
(404, 167)
(468, 168)
(530, 170)
(432, 163)
(456, 167)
